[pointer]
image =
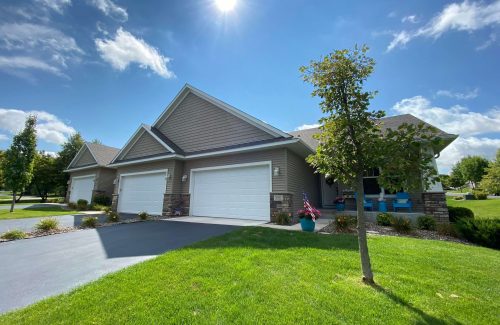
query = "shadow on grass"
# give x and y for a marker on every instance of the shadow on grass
(425, 318)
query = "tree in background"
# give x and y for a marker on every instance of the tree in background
(2, 184)
(45, 175)
(351, 141)
(456, 178)
(69, 150)
(445, 180)
(491, 181)
(473, 169)
(19, 159)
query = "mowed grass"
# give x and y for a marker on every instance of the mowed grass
(489, 208)
(35, 212)
(261, 275)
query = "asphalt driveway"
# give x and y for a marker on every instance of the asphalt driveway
(33, 269)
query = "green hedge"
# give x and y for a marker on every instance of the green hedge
(484, 232)
(457, 213)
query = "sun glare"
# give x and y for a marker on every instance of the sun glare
(225, 5)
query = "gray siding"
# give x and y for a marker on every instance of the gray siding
(105, 179)
(197, 125)
(85, 159)
(145, 146)
(145, 167)
(276, 156)
(300, 178)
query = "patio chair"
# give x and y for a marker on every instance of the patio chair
(366, 204)
(402, 201)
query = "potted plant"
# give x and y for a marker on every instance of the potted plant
(340, 203)
(308, 218)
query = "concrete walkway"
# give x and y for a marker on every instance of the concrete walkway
(31, 205)
(28, 224)
(219, 221)
(320, 223)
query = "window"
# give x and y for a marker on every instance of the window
(370, 182)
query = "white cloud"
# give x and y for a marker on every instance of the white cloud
(3, 137)
(410, 19)
(111, 9)
(457, 95)
(14, 63)
(56, 5)
(49, 127)
(490, 41)
(464, 146)
(466, 16)
(125, 49)
(456, 119)
(306, 126)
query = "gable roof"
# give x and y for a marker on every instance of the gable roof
(102, 155)
(143, 128)
(390, 122)
(187, 89)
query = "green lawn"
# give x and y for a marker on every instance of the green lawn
(35, 212)
(482, 208)
(261, 275)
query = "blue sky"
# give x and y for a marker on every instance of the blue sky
(102, 67)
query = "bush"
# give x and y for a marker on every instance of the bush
(283, 218)
(401, 224)
(426, 223)
(143, 215)
(72, 206)
(82, 204)
(90, 222)
(384, 219)
(102, 199)
(13, 235)
(460, 213)
(458, 198)
(344, 223)
(47, 224)
(447, 229)
(484, 232)
(113, 217)
(106, 210)
(480, 196)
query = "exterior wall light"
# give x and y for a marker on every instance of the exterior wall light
(276, 171)
(184, 178)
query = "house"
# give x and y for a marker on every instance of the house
(203, 157)
(90, 174)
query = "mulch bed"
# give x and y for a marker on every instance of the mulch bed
(374, 229)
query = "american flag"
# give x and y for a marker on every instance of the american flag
(308, 207)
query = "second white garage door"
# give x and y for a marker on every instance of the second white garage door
(142, 192)
(240, 192)
(81, 188)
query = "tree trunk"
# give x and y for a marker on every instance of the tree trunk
(362, 242)
(13, 201)
(19, 198)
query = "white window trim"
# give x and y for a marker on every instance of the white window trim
(83, 168)
(158, 171)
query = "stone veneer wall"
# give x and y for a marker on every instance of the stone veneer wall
(281, 202)
(435, 205)
(173, 201)
(114, 203)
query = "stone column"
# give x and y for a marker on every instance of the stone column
(114, 203)
(281, 202)
(175, 205)
(435, 205)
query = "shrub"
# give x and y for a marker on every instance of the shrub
(480, 196)
(426, 223)
(72, 206)
(344, 223)
(484, 232)
(13, 235)
(447, 229)
(90, 222)
(47, 224)
(458, 198)
(113, 217)
(82, 204)
(384, 219)
(106, 210)
(143, 215)
(283, 218)
(102, 199)
(459, 213)
(401, 224)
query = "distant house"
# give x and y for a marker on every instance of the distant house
(203, 157)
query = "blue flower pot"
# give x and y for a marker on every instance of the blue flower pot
(307, 224)
(340, 206)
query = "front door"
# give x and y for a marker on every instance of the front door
(328, 192)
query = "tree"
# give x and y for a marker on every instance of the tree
(445, 180)
(44, 175)
(456, 178)
(19, 159)
(2, 184)
(473, 169)
(351, 141)
(491, 181)
(69, 150)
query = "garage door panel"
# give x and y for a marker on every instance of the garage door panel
(142, 192)
(81, 188)
(240, 192)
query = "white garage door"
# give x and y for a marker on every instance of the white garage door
(142, 192)
(241, 192)
(81, 188)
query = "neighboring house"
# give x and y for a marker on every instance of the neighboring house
(203, 157)
(90, 174)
